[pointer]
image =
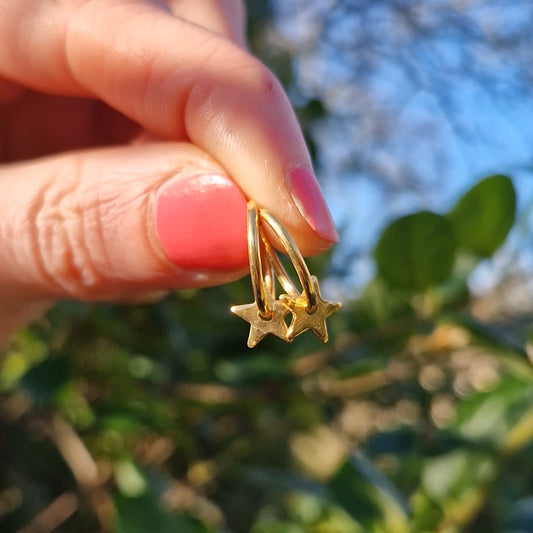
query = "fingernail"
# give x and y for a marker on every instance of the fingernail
(309, 200)
(201, 223)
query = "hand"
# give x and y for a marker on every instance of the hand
(131, 135)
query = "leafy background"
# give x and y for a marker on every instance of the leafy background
(416, 417)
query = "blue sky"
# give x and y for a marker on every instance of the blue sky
(414, 118)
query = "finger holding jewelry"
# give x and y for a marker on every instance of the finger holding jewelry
(178, 81)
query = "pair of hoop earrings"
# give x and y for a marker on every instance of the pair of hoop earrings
(266, 314)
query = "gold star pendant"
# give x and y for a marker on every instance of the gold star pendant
(302, 320)
(261, 327)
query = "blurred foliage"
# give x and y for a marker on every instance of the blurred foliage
(416, 417)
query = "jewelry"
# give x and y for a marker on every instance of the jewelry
(266, 314)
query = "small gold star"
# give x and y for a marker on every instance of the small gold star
(261, 327)
(302, 320)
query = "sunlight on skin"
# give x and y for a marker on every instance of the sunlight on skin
(83, 214)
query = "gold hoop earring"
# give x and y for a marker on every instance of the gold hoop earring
(309, 310)
(266, 314)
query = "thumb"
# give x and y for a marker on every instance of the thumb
(106, 224)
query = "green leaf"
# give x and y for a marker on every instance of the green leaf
(451, 476)
(416, 251)
(453, 489)
(44, 380)
(489, 417)
(25, 350)
(368, 496)
(484, 215)
(379, 304)
(142, 514)
(279, 480)
(141, 510)
(129, 478)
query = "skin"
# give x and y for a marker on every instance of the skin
(162, 90)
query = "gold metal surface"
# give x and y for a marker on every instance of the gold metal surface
(266, 314)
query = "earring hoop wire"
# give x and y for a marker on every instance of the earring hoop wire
(296, 258)
(276, 265)
(260, 271)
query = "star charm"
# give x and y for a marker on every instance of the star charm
(260, 327)
(302, 320)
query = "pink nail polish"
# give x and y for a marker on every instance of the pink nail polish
(309, 200)
(201, 223)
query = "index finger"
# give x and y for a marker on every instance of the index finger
(178, 81)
